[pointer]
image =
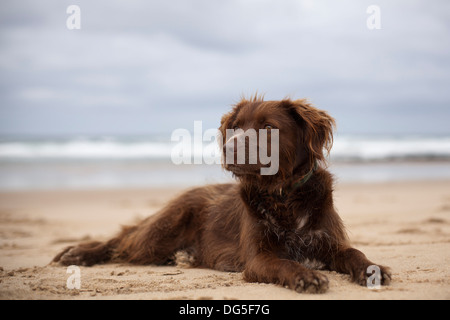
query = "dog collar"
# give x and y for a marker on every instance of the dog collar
(306, 177)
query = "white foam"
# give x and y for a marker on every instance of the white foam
(353, 148)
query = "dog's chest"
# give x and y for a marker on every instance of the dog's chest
(293, 233)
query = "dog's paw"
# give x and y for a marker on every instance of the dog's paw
(72, 256)
(372, 275)
(310, 281)
(86, 254)
(59, 258)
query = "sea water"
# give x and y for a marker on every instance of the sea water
(80, 162)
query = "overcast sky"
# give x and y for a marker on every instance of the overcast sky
(140, 67)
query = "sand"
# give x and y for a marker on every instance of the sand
(402, 225)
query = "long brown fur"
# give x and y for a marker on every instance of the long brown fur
(275, 229)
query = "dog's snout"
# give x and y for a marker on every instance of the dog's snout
(229, 147)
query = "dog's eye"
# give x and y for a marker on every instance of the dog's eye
(236, 128)
(269, 127)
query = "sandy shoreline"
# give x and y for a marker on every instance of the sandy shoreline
(402, 225)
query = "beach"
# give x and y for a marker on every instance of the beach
(109, 110)
(401, 224)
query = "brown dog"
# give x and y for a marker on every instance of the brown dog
(274, 228)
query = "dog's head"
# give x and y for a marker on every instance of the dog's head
(292, 132)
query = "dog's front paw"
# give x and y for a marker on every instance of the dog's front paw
(371, 275)
(310, 281)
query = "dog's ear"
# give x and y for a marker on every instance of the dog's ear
(316, 127)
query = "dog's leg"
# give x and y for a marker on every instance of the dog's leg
(86, 254)
(268, 268)
(155, 240)
(353, 262)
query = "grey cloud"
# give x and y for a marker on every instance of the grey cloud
(172, 61)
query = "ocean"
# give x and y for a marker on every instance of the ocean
(84, 162)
